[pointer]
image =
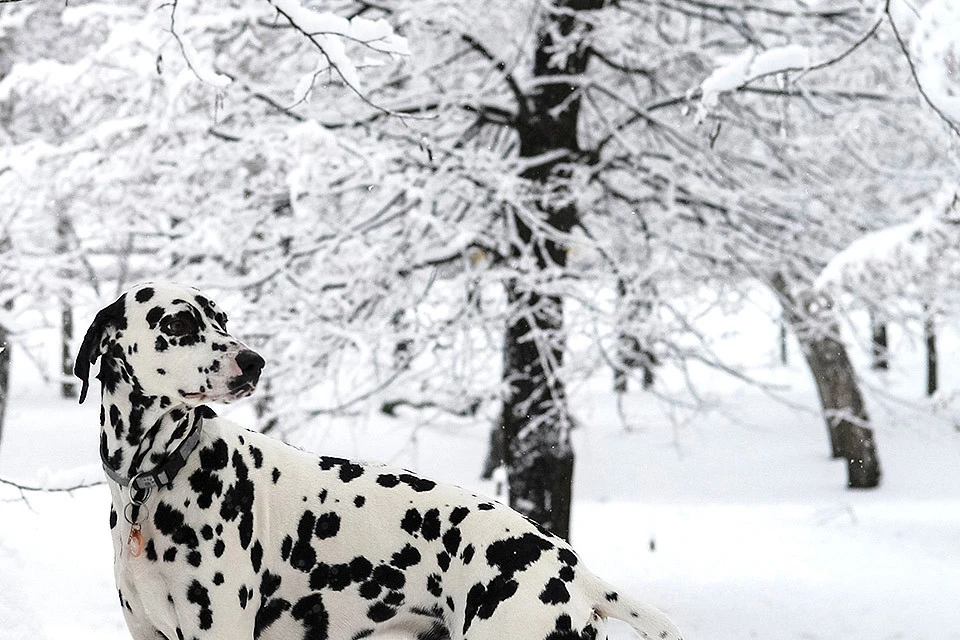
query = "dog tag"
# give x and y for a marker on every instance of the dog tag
(135, 541)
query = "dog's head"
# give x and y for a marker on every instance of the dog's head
(168, 340)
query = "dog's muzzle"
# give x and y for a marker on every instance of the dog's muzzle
(251, 364)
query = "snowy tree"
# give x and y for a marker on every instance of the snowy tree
(904, 267)
(399, 227)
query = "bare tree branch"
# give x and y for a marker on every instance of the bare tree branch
(913, 72)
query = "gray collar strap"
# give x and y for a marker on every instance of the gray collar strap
(166, 472)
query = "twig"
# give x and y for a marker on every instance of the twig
(913, 72)
(356, 90)
(25, 489)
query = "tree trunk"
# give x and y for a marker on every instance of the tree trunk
(930, 339)
(783, 340)
(630, 354)
(535, 420)
(878, 342)
(67, 387)
(4, 375)
(812, 320)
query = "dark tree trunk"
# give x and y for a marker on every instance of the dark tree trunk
(67, 387)
(4, 375)
(630, 354)
(783, 340)
(812, 320)
(930, 339)
(878, 343)
(535, 420)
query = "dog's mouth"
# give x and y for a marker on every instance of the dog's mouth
(237, 388)
(242, 391)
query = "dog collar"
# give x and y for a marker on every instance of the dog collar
(166, 472)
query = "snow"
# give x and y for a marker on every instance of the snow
(378, 34)
(733, 520)
(910, 251)
(750, 65)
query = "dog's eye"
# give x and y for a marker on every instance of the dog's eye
(179, 326)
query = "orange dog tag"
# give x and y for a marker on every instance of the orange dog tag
(135, 541)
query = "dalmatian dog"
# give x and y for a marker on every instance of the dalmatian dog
(220, 532)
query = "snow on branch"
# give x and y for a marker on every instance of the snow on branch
(750, 66)
(918, 258)
(329, 33)
(934, 57)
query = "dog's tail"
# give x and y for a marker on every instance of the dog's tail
(649, 622)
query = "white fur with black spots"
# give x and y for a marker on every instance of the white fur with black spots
(252, 538)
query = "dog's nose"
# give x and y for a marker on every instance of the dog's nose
(250, 363)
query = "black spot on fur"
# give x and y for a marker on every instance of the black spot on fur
(328, 525)
(219, 548)
(360, 569)
(516, 554)
(434, 585)
(467, 555)
(285, 548)
(303, 556)
(194, 558)
(311, 613)
(451, 541)
(169, 521)
(485, 506)
(269, 584)
(458, 514)
(113, 518)
(482, 601)
(379, 612)
(268, 613)
(275, 475)
(419, 485)
(218, 578)
(198, 595)
(388, 577)
(412, 521)
(370, 589)
(348, 470)
(238, 501)
(154, 316)
(405, 558)
(567, 574)
(567, 557)
(443, 560)
(555, 592)
(431, 525)
(256, 556)
(170, 554)
(388, 480)
(359, 501)
(151, 551)
(257, 455)
(144, 294)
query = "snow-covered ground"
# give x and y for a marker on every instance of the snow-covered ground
(733, 520)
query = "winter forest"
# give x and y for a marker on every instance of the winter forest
(673, 278)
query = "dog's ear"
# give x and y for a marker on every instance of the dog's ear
(111, 315)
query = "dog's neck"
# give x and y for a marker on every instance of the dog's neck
(138, 431)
